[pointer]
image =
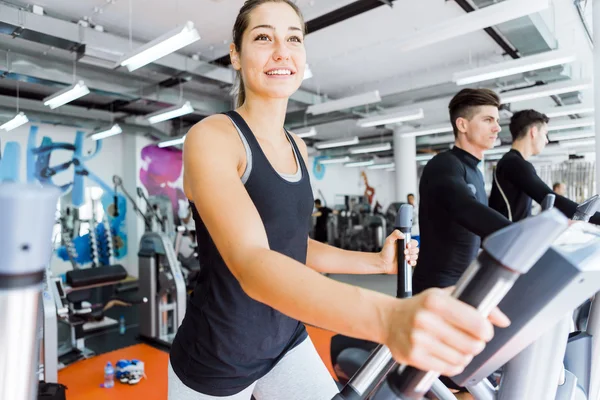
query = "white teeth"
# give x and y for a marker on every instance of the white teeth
(280, 72)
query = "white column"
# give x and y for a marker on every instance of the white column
(596, 29)
(405, 150)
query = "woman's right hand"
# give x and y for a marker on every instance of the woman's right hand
(436, 332)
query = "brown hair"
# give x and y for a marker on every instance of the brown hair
(522, 120)
(240, 26)
(464, 104)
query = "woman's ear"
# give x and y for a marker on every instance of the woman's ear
(235, 57)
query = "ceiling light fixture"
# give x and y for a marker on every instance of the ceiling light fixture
(382, 166)
(564, 111)
(15, 122)
(170, 113)
(344, 103)
(306, 133)
(168, 43)
(571, 124)
(391, 118)
(114, 130)
(371, 148)
(550, 89)
(66, 95)
(585, 134)
(359, 164)
(428, 130)
(337, 143)
(335, 160)
(513, 67)
(172, 142)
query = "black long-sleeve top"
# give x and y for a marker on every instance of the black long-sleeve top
(454, 217)
(520, 184)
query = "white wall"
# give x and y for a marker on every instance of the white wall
(340, 180)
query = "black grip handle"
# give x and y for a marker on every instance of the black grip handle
(115, 198)
(410, 383)
(404, 222)
(548, 201)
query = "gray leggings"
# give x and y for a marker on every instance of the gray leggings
(300, 375)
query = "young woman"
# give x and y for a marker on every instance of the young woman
(249, 188)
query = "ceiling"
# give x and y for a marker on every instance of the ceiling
(354, 47)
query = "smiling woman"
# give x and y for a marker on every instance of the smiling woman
(262, 277)
(260, 40)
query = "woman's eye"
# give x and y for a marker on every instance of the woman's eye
(262, 36)
(296, 39)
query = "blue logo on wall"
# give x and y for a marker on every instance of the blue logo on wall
(318, 168)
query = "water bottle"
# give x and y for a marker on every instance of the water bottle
(122, 325)
(109, 376)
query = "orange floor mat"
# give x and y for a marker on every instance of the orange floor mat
(83, 378)
(321, 338)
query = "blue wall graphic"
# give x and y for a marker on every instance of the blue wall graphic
(39, 168)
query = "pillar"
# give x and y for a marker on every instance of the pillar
(596, 30)
(405, 150)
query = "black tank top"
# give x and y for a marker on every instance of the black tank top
(227, 340)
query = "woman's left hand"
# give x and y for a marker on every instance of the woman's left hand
(388, 253)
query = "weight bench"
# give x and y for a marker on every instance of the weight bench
(83, 316)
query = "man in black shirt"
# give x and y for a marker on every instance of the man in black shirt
(322, 214)
(516, 182)
(453, 210)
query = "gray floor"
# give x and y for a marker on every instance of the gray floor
(379, 283)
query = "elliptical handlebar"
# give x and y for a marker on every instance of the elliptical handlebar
(403, 223)
(487, 280)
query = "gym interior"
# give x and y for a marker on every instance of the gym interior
(87, 110)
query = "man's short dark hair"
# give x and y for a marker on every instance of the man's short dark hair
(522, 121)
(464, 104)
(409, 195)
(318, 202)
(556, 185)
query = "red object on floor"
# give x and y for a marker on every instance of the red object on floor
(83, 378)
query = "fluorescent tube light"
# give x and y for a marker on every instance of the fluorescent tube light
(359, 164)
(114, 130)
(497, 150)
(170, 113)
(337, 143)
(424, 157)
(172, 142)
(66, 95)
(166, 44)
(391, 118)
(585, 134)
(513, 67)
(577, 143)
(371, 148)
(545, 90)
(564, 111)
(307, 73)
(431, 140)
(571, 123)
(472, 22)
(307, 133)
(383, 166)
(335, 160)
(17, 121)
(428, 130)
(344, 103)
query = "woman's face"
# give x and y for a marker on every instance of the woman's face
(273, 57)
